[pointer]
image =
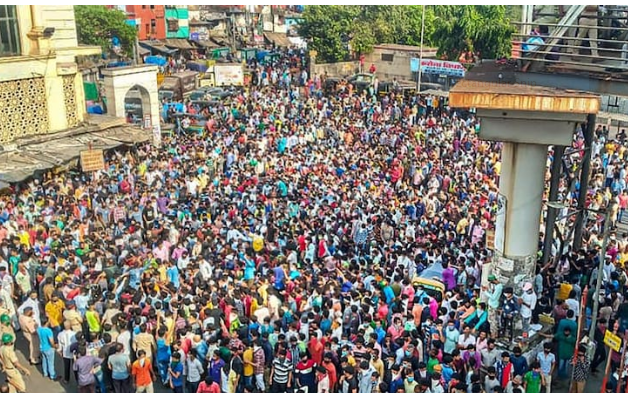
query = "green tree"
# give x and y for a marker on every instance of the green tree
(483, 29)
(97, 25)
(327, 28)
(336, 31)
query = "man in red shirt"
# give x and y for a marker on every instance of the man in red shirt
(331, 371)
(316, 349)
(623, 204)
(208, 386)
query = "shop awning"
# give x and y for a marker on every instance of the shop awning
(26, 160)
(178, 43)
(220, 40)
(157, 46)
(279, 39)
(207, 44)
(437, 93)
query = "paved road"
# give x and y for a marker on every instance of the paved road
(36, 381)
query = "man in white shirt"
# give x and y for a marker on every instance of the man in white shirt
(33, 303)
(124, 338)
(527, 301)
(66, 338)
(205, 269)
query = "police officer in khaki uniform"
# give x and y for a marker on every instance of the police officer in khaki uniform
(5, 325)
(11, 366)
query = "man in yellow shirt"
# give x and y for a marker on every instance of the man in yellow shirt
(247, 358)
(54, 312)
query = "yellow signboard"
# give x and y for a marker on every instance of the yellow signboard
(612, 340)
(92, 160)
(490, 239)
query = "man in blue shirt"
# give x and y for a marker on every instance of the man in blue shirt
(47, 347)
(173, 274)
(176, 373)
(120, 366)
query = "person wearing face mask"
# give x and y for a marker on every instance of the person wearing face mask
(510, 308)
(534, 379)
(281, 372)
(142, 372)
(410, 383)
(396, 379)
(331, 370)
(437, 386)
(527, 303)
(491, 380)
(566, 346)
(494, 293)
(451, 337)
(516, 383)
(471, 353)
(547, 364)
(519, 362)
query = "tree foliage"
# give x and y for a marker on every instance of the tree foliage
(482, 29)
(97, 25)
(337, 31)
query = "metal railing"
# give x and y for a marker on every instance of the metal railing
(571, 50)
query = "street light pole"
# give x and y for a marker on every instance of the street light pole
(600, 270)
(418, 82)
(550, 220)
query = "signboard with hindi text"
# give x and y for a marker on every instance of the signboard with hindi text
(612, 340)
(432, 66)
(92, 160)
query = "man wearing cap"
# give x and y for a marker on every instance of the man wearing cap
(5, 325)
(510, 308)
(72, 316)
(29, 329)
(493, 292)
(12, 366)
(527, 303)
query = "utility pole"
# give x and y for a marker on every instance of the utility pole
(584, 181)
(136, 51)
(600, 269)
(553, 196)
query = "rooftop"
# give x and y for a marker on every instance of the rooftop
(404, 48)
(470, 93)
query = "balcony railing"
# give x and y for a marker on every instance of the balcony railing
(571, 44)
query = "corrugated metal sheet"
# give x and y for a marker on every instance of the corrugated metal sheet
(20, 164)
(178, 43)
(279, 39)
(488, 95)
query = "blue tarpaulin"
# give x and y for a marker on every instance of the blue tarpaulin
(157, 60)
(96, 109)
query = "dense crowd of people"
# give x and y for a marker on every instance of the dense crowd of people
(282, 249)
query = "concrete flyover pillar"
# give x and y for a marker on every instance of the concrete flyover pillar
(527, 120)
